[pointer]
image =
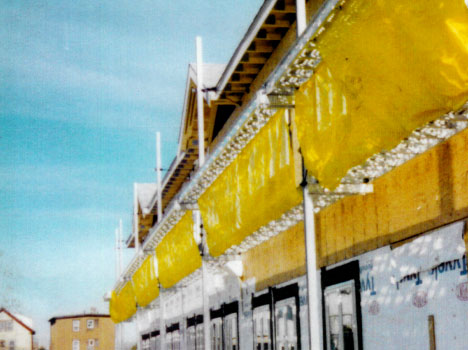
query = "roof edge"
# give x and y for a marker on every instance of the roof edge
(18, 320)
(254, 27)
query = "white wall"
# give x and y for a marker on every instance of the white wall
(20, 335)
(400, 288)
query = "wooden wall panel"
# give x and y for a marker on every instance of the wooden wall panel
(429, 191)
(277, 260)
(459, 163)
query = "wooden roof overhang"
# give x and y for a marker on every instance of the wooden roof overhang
(269, 27)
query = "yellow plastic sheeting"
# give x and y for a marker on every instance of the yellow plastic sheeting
(388, 67)
(123, 305)
(257, 187)
(145, 282)
(178, 255)
(113, 311)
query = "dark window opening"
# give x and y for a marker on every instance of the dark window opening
(223, 113)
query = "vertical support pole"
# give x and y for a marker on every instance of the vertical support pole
(162, 320)
(117, 255)
(118, 338)
(205, 276)
(122, 332)
(206, 308)
(201, 161)
(138, 327)
(183, 328)
(120, 247)
(135, 218)
(158, 174)
(301, 20)
(313, 281)
(200, 117)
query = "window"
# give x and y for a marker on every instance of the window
(276, 319)
(12, 345)
(76, 325)
(191, 337)
(90, 324)
(6, 325)
(230, 331)
(341, 321)
(91, 344)
(199, 337)
(76, 344)
(261, 324)
(216, 334)
(341, 300)
(286, 324)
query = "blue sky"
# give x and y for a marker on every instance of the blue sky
(84, 85)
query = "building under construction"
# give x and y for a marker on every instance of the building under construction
(320, 190)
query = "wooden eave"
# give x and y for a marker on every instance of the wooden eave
(255, 50)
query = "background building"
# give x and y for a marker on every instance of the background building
(81, 332)
(16, 331)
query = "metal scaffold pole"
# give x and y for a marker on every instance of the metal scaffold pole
(313, 281)
(135, 218)
(201, 161)
(200, 116)
(162, 321)
(301, 18)
(158, 174)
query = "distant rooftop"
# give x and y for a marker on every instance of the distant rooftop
(22, 320)
(53, 319)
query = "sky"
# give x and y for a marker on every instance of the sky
(84, 86)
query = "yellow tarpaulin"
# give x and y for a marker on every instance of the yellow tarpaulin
(388, 67)
(256, 188)
(178, 255)
(123, 305)
(145, 282)
(113, 311)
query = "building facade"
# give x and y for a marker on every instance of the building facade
(330, 211)
(16, 331)
(82, 332)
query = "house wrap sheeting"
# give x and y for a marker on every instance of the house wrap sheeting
(387, 68)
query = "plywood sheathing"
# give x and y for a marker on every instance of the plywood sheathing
(277, 260)
(427, 192)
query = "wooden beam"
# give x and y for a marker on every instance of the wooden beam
(237, 87)
(259, 46)
(240, 78)
(253, 58)
(287, 247)
(278, 24)
(248, 68)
